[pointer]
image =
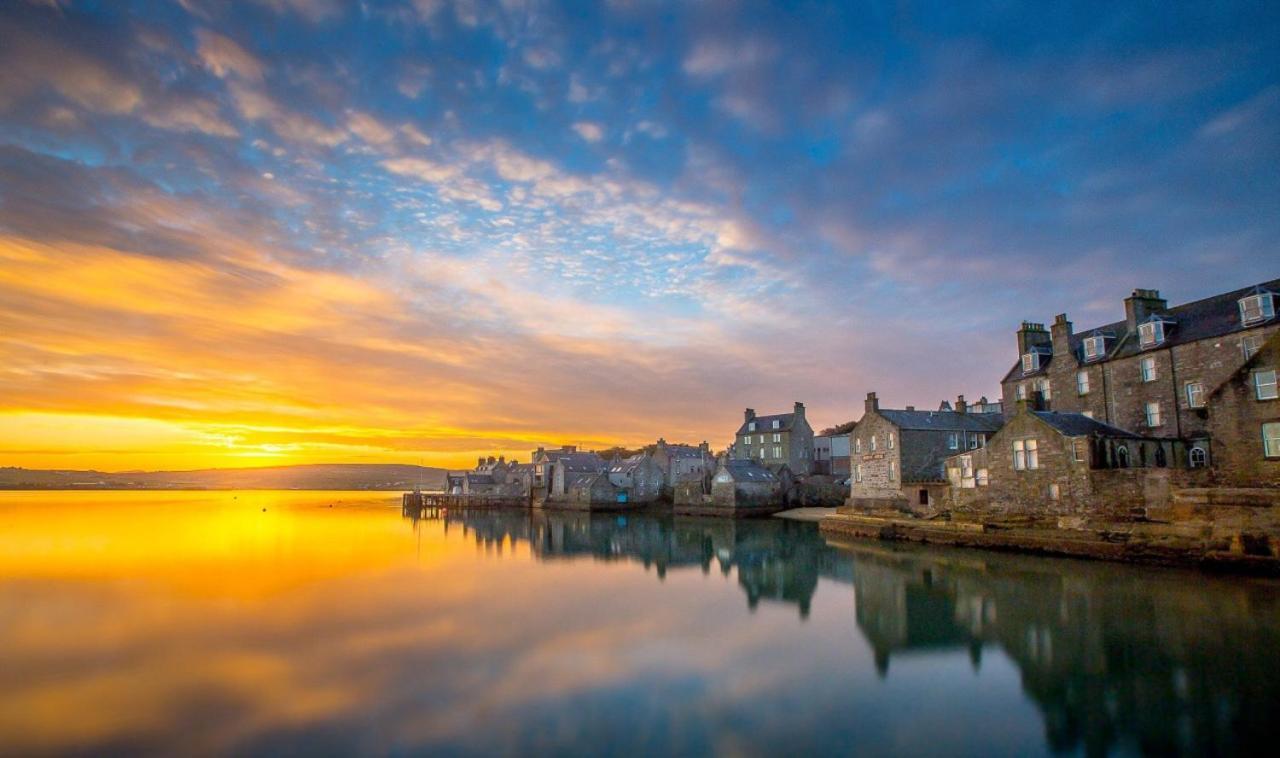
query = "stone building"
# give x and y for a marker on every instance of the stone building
(741, 487)
(1152, 372)
(683, 463)
(594, 492)
(898, 455)
(569, 469)
(637, 477)
(1244, 422)
(1052, 463)
(784, 439)
(541, 460)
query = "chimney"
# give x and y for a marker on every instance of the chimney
(911, 407)
(1060, 335)
(571, 448)
(872, 404)
(502, 459)
(491, 459)
(705, 447)
(961, 405)
(1032, 335)
(799, 409)
(749, 414)
(1140, 305)
(480, 461)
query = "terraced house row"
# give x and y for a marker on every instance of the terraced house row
(1112, 420)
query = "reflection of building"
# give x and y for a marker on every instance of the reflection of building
(1113, 658)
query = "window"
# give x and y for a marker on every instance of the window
(1025, 455)
(1151, 333)
(1256, 308)
(777, 451)
(1082, 382)
(1250, 345)
(1094, 348)
(1122, 457)
(1080, 450)
(973, 442)
(775, 424)
(1264, 384)
(751, 427)
(777, 437)
(983, 478)
(1271, 439)
(873, 443)
(1195, 394)
(891, 468)
(1054, 492)
(857, 445)
(762, 439)
(1148, 369)
(890, 440)
(1020, 392)
(1197, 457)
(953, 441)
(1152, 412)
(966, 466)
(857, 473)
(924, 497)
(1044, 388)
(1030, 362)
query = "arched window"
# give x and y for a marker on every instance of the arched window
(1197, 457)
(1122, 457)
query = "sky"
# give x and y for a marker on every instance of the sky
(303, 231)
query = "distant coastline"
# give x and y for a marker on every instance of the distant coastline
(319, 476)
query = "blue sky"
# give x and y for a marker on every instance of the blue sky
(597, 222)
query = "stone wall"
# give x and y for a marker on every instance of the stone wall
(1235, 422)
(875, 485)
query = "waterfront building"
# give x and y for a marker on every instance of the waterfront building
(569, 469)
(638, 477)
(831, 454)
(783, 439)
(683, 463)
(898, 455)
(741, 487)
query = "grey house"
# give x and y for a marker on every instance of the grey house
(783, 439)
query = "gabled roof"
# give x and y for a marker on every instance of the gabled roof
(582, 462)
(1080, 425)
(684, 451)
(765, 423)
(943, 421)
(745, 470)
(1211, 317)
(627, 465)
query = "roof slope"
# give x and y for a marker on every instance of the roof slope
(765, 423)
(744, 470)
(943, 421)
(1080, 425)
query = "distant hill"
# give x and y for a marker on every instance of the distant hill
(321, 476)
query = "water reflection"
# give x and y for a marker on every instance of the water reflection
(200, 623)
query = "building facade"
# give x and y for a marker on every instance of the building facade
(683, 463)
(783, 439)
(638, 476)
(1245, 408)
(831, 454)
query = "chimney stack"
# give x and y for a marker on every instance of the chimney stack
(961, 405)
(1060, 335)
(749, 414)
(1032, 335)
(799, 409)
(872, 404)
(480, 461)
(911, 407)
(1142, 304)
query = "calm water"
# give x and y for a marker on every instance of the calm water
(198, 623)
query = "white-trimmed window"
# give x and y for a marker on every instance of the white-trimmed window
(1195, 394)
(1020, 392)
(891, 441)
(857, 445)
(762, 439)
(1082, 382)
(1055, 492)
(776, 424)
(1251, 345)
(1151, 333)
(1148, 369)
(1045, 388)
(891, 471)
(983, 477)
(777, 437)
(1264, 384)
(873, 443)
(751, 426)
(1256, 308)
(777, 451)
(1025, 455)
(857, 473)
(1271, 439)
(1197, 457)
(953, 441)
(1152, 411)
(1094, 348)
(1030, 362)
(1080, 449)
(973, 442)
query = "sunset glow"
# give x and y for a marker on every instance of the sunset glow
(238, 234)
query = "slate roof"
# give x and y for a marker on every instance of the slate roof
(479, 478)
(1211, 317)
(743, 470)
(684, 451)
(582, 462)
(765, 423)
(1080, 425)
(627, 465)
(943, 421)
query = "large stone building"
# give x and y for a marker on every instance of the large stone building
(683, 463)
(898, 455)
(784, 439)
(1152, 372)
(1245, 409)
(638, 477)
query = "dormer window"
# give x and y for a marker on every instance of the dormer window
(751, 427)
(776, 424)
(1151, 334)
(1030, 362)
(1257, 308)
(1095, 348)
